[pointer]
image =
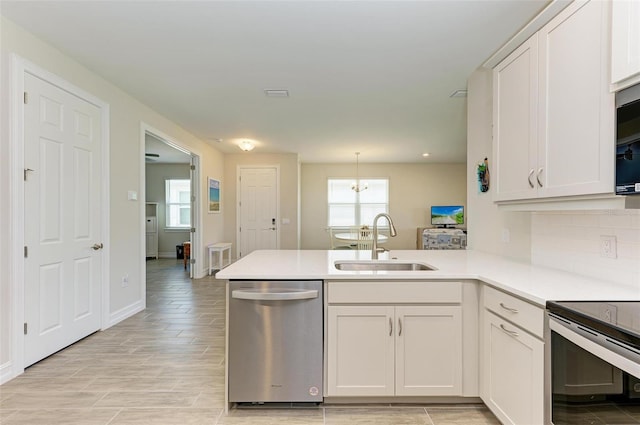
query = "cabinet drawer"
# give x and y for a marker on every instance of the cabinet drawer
(521, 313)
(367, 292)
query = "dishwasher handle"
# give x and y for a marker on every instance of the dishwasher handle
(274, 296)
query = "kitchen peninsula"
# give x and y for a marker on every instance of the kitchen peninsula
(433, 335)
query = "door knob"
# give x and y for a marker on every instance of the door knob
(96, 246)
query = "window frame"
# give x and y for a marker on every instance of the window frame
(181, 205)
(357, 202)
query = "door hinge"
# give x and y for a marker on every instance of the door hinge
(25, 98)
(192, 261)
(192, 230)
(193, 167)
(26, 252)
(193, 198)
(25, 328)
(24, 173)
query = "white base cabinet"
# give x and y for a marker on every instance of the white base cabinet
(512, 369)
(394, 349)
(513, 380)
(402, 350)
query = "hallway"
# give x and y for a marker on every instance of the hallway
(165, 365)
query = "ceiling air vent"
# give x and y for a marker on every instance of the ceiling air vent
(276, 93)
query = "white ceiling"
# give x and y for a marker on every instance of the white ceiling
(367, 76)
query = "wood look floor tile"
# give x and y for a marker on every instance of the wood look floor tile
(52, 400)
(467, 415)
(148, 399)
(167, 416)
(377, 416)
(61, 417)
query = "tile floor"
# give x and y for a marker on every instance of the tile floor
(165, 365)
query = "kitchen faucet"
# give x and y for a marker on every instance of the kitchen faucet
(392, 233)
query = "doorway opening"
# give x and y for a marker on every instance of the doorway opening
(170, 208)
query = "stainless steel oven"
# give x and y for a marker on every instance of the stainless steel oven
(594, 362)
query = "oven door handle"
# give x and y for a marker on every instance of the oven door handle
(598, 350)
(274, 295)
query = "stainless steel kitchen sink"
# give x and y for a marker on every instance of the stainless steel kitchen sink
(375, 265)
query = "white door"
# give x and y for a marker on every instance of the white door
(258, 209)
(63, 258)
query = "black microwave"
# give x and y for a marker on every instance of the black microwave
(628, 141)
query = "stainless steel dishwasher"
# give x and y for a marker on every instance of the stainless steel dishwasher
(275, 341)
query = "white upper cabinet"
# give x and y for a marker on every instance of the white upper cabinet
(515, 102)
(625, 43)
(554, 125)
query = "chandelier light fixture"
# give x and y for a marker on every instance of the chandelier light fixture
(356, 186)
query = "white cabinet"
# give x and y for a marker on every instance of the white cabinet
(151, 230)
(394, 350)
(515, 86)
(512, 370)
(553, 112)
(625, 43)
(382, 339)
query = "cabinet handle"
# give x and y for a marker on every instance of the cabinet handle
(538, 177)
(510, 310)
(512, 333)
(529, 178)
(399, 326)
(390, 326)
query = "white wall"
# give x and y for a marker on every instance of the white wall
(413, 188)
(126, 222)
(155, 177)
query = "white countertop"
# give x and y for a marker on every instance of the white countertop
(533, 283)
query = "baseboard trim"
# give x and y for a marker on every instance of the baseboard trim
(124, 313)
(7, 372)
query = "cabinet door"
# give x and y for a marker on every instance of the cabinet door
(576, 109)
(625, 43)
(515, 100)
(429, 350)
(360, 350)
(151, 245)
(513, 363)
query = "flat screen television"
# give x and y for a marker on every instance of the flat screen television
(447, 215)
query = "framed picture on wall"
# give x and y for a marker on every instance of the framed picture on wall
(214, 195)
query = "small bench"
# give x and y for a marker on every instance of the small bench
(220, 248)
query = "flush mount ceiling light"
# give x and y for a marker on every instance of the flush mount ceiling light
(246, 145)
(276, 93)
(426, 154)
(356, 186)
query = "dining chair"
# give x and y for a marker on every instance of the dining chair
(365, 239)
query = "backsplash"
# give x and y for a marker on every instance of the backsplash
(571, 241)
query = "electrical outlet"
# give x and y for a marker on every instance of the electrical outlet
(506, 235)
(125, 280)
(608, 248)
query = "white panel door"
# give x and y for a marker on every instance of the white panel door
(258, 209)
(429, 350)
(62, 218)
(360, 350)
